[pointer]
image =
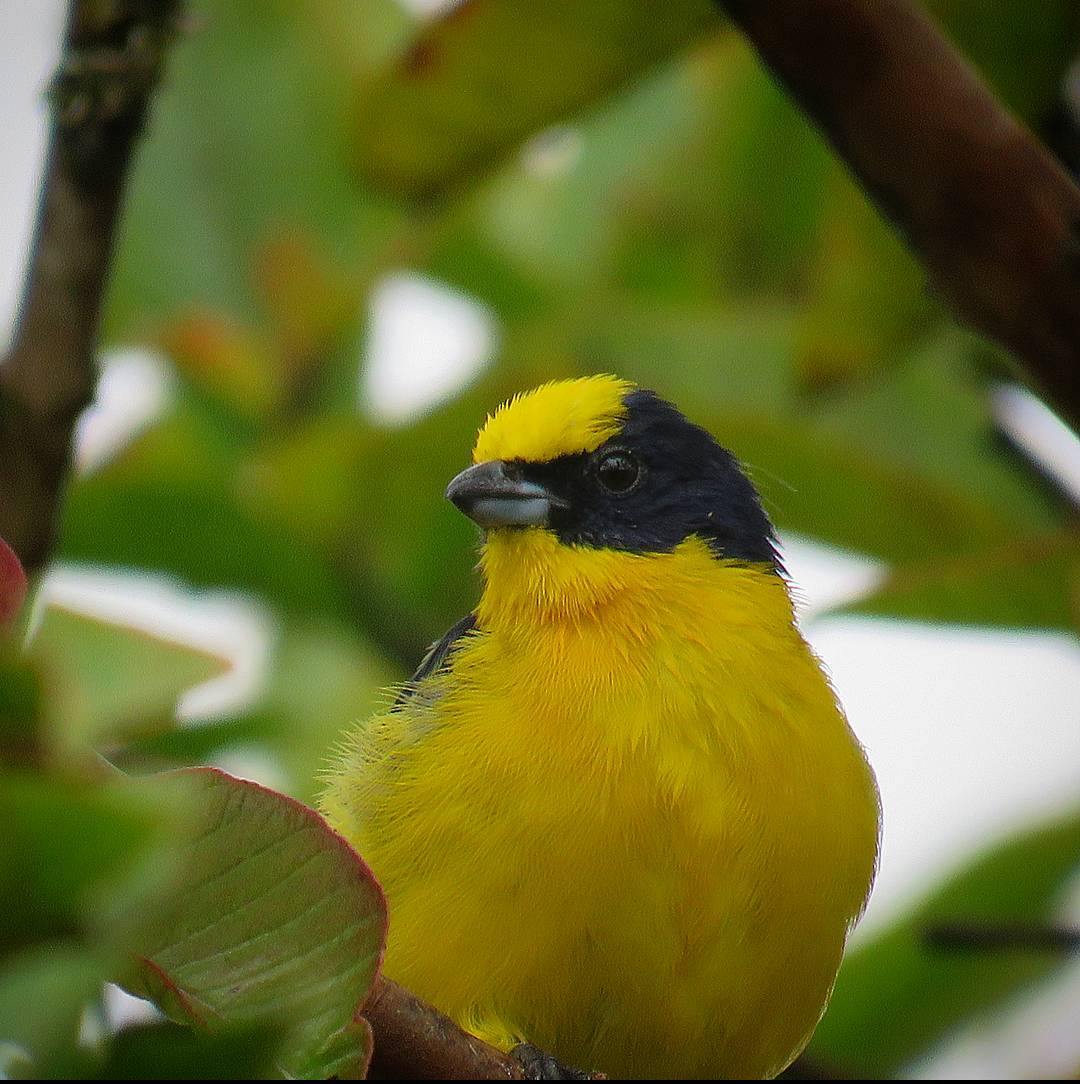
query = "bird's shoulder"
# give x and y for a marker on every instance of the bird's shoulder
(437, 658)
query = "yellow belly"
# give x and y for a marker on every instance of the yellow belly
(639, 845)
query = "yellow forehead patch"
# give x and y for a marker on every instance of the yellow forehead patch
(565, 417)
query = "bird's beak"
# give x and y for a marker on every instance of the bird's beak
(490, 495)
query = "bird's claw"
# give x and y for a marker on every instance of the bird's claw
(539, 1065)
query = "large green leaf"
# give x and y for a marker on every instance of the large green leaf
(107, 681)
(866, 297)
(560, 215)
(733, 208)
(275, 920)
(202, 534)
(1029, 582)
(488, 73)
(897, 995)
(321, 682)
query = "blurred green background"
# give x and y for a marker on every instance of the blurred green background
(584, 186)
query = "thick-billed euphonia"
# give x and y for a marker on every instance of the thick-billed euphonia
(617, 812)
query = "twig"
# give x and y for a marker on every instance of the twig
(111, 60)
(1000, 937)
(413, 1041)
(993, 217)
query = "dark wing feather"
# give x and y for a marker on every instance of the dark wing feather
(437, 658)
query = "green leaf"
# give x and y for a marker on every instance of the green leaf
(78, 858)
(867, 297)
(276, 920)
(825, 486)
(21, 739)
(347, 1055)
(930, 412)
(734, 208)
(896, 996)
(200, 532)
(1027, 583)
(170, 1052)
(482, 77)
(322, 680)
(107, 681)
(559, 225)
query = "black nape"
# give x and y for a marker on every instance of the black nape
(688, 485)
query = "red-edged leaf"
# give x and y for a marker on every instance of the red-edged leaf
(12, 585)
(276, 919)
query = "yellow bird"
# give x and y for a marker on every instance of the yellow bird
(617, 812)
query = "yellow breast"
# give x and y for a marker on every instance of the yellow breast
(629, 823)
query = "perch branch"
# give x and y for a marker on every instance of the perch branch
(991, 214)
(112, 54)
(414, 1041)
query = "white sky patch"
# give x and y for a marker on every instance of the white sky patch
(426, 341)
(232, 626)
(428, 9)
(1034, 1038)
(29, 51)
(125, 1010)
(254, 763)
(552, 152)
(973, 734)
(823, 577)
(1041, 433)
(132, 393)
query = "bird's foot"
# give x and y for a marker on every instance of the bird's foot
(541, 1066)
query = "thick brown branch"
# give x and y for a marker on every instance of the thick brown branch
(994, 218)
(111, 58)
(413, 1041)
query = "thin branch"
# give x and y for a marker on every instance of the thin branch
(111, 60)
(992, 215)
(1000, 937)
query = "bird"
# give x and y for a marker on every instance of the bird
(618, 812)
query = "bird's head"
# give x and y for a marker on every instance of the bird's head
(580, 481)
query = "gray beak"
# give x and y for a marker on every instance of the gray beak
(490, 495)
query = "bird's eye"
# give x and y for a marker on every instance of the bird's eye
(618, 471)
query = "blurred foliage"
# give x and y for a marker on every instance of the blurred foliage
(899, 994)
(625, 192)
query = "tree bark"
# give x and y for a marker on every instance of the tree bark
(992, 215)
(111, 60)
